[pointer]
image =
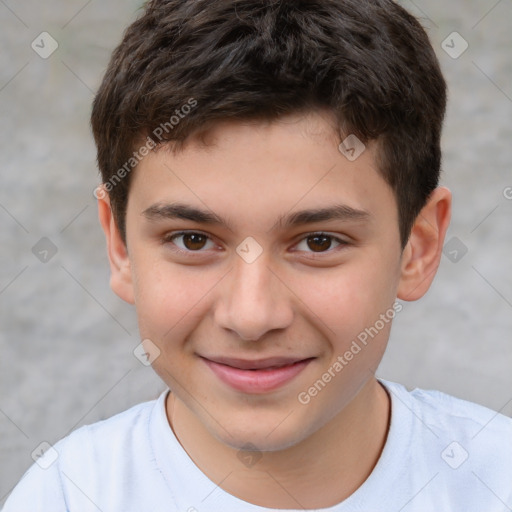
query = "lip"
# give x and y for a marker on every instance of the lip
(256, 376)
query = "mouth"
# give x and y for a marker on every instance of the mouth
(256, 376)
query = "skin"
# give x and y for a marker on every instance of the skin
(298, 298)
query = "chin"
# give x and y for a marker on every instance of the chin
(265, 436)
(260, 442)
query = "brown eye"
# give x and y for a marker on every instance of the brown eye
(191, 241)
(194, 241)
(319, 243)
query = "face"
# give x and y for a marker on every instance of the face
(251, 300)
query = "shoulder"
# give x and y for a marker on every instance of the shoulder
(102, 445)
(78, 464)
(461, 416)
(468, 444)
(445, 412)
(117, 426)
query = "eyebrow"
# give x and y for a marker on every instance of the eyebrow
(341, 212)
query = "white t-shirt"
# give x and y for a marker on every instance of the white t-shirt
(441, 454)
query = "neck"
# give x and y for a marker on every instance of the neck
(348, 446)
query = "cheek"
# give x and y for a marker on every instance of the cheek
(169, 299)
(172, 300)
(347, 299)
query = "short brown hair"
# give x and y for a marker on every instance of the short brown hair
(369, 62)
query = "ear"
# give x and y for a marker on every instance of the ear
(422, 254)
(120, 268)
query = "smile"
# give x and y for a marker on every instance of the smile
(256, 376)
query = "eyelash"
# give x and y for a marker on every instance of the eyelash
(169, 239)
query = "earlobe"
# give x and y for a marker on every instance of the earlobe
(120, 267)
(422, 254)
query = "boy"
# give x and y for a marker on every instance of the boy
(270, 188)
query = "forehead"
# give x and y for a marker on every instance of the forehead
(258, 171)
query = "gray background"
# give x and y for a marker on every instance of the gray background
(66, 340)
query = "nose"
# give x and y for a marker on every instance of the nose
(253, 301)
